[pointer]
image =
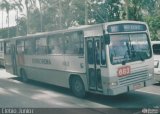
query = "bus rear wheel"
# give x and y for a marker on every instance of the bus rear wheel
(77, 87)
(24, 77)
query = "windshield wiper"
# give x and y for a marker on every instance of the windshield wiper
(140, 55)
(136, 53)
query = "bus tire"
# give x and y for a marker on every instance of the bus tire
(24, 77)
(77, 87)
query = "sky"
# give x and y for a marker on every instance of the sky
(12, 19)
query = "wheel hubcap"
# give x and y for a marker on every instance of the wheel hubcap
(78, 86)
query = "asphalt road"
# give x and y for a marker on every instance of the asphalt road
(16, 94)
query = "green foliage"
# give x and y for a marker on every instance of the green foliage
(21, 26)
(154, 25)
(59, 14)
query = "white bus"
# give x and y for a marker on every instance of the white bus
(156, 52)
(2, 53)
(109, 58)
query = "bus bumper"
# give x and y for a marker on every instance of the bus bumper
(127, 88)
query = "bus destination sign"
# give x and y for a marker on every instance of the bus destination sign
(127, 27)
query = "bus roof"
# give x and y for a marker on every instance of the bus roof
(73, 29)
(125, 21)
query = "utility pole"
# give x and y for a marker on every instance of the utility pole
(126, 3)
(2, 25)
(17, 28)
(60, 14)
(86, 13)
(2, 19)
(26, 3)
(8, 25)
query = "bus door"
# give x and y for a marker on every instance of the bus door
(13, 59)
(93, 61)
(10, 52)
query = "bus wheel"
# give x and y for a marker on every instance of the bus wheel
(23, 76)
(77, 87)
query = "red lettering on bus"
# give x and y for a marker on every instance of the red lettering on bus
(123, 71)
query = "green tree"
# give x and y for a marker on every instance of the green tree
(105, 11)
(29, 4)
(22, 26)
(5, 5)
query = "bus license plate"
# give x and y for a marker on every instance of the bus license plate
(137, 86)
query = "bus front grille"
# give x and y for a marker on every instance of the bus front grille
(133, 78)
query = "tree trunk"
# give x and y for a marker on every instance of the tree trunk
(8, 24)
(26, 4)
(41, 15)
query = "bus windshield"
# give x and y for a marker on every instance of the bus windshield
(128, 48)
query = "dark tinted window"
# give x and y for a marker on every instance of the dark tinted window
(156, 48)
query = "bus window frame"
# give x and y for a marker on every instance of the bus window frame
(100, 39)
(33, 50)
(81, 43)
(105, 46)
(1, 46)
(21, 46)
(5, 47)
(55, 36)
(44, 51)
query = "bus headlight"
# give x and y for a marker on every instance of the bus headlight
(150, 75)
(113, 83)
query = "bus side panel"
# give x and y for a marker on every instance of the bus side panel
(75, 64)
(7, 56)
(53, 69)
(50, 76)
(8, 64)
(46, 68)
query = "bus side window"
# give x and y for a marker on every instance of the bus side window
(81, 43)
(41, 46)
(103, 52)
(20, 46)
(55, 44)
(156, 48)
(7, 48)
(0, 46)
(90, 49)
(29, 47)
(74, 43)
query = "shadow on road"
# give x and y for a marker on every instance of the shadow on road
(134, 99)
(47, 86)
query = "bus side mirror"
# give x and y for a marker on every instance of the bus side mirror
(107, 38)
